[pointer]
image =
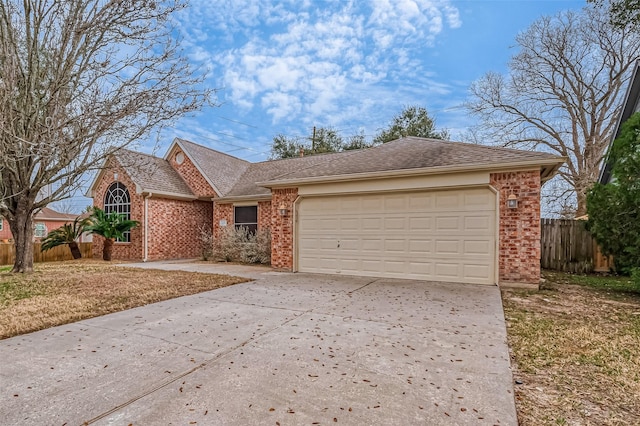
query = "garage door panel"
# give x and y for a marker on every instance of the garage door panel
(448, 247)
(420, 248)
(447, 201)
(372, 245)
(394, 204)
(479, 200)
(421, 202)
(447, 223)
(446, 271)
(430, 235)
(479, 247)
(420, 268)
(420, 224)
(394, 224)
(397, 246)
(475, 272)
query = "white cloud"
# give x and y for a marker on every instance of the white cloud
(315, 62)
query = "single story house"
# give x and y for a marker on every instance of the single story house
(412, 208)
(45, 221)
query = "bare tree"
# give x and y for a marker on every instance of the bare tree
(562, 93)
(80, 80)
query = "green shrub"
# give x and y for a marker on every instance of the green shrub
(241, 245)
(635, 278)
(613, 208)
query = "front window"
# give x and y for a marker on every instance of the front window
(40, 230)
(246, 216)
(117, 199)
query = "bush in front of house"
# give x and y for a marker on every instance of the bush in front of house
(241, 245)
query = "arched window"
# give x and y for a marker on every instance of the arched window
(117, 199)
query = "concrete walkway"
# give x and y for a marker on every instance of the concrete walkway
(286, 349)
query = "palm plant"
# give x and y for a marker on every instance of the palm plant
(110, 226)
(66, 234)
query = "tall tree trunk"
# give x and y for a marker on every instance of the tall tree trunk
(75, 250)
(22, 229)
(106, 250)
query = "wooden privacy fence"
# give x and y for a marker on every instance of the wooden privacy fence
(567, 246)
(8, 253)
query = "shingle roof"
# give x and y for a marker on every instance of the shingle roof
(402, 154)
(268, 170)
(152, 174)
(49, 214)
(222, 170)
(415, 153)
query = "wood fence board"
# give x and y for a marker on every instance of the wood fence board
(56, 254)
(566, 245)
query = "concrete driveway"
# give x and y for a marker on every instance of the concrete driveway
(286, 349)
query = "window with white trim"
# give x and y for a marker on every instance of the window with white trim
(246, 216)
(117, 199)
(40, 230)
(1, 223)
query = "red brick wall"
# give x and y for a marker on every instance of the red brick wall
(282, 228)
(519, 235)
(221, 212)
(123, 251)
(191, 175)
(5, 233)
(264, 215)
(174, 228)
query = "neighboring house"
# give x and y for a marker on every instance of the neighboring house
(630, 106)
(411, 208)
(45, 220)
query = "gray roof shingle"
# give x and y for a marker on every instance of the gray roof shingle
(415, 153)
(222, 170)
(152, 174)
(268, 170)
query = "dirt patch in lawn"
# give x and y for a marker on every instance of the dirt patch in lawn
(63, 292)
(575, 348)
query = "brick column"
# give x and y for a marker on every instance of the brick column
(519, 235)
(221, 212)
(282, 228)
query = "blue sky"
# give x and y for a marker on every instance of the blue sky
(286, 66)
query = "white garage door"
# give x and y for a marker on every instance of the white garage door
(429, 235)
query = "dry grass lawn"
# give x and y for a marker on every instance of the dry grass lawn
(63, 292)
(575, 346)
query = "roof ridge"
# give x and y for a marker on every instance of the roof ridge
(469, 144)
(214, 150)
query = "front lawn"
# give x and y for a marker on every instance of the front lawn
(63, 292)
(575, 348)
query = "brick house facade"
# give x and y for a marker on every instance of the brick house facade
(194, 188)
(44, 221)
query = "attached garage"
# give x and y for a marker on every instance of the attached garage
(437, 235)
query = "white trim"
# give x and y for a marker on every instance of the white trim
(496, 264)
(35, 229)
(164, 194)
(146, 227)
(242, 198)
